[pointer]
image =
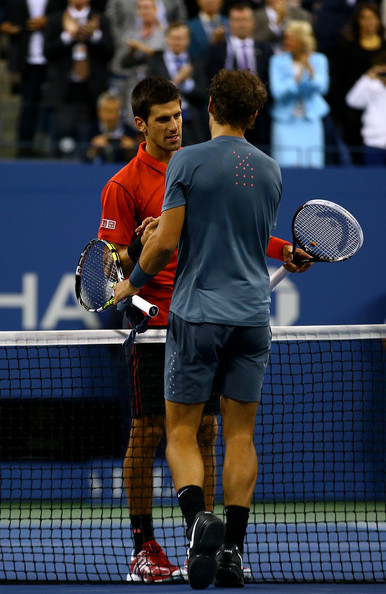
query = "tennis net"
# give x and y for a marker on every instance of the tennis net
(318, 511)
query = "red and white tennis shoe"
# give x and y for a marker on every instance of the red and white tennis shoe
(151, 565)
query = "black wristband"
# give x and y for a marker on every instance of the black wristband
(135, 249)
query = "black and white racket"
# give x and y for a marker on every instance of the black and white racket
(325, 231)
(98, 271)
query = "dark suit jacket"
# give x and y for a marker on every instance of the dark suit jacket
(217, 55)
(216, 59)
(199, 42)
(198, 96)
(59, 58)
(16, 12)
(197, 99)
(262, 29)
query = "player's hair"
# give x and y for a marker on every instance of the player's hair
(153, 90)
(237, 95)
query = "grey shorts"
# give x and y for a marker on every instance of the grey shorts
(228, 359)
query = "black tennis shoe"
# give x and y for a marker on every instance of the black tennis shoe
(206, 535)
(230, 572)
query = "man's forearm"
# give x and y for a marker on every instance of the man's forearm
(155, 256)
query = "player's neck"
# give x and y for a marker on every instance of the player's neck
(225, 130)
(158, 153)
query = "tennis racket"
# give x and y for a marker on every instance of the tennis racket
(326, 231)
(98, 271)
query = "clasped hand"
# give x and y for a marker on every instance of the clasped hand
(124, 288)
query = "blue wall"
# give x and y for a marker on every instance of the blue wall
(51, 210)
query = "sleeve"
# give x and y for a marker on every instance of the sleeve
(118, 221)
(176, 181)
(319, 83)
(363, 91)
(282, 78)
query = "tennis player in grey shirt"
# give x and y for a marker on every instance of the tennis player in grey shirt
(221, 204)
(231, 191)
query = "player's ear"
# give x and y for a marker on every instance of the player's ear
(253, 118)
(211, 106)
(141, 124)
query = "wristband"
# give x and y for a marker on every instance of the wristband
(138, 277)
(275, 248)
(135, 249)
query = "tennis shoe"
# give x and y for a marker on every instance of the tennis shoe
(206, 535)
(151, 565)
(247, 574)
(230, 571)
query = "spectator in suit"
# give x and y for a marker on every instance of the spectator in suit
(137, 45)
(272, 20)
(114, 141)
(78, 46)
(24, 22)
(208, 27)
(330, 16)
(361, 41)
(298, 80)
(123, 17)
(241, 51)
(188, 74)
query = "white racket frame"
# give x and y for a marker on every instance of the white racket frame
(281, 273)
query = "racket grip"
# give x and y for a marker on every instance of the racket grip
(277, 277)
(149, 308)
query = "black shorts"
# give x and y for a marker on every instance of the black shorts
(146, 370)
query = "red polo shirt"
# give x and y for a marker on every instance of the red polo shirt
(131, 195)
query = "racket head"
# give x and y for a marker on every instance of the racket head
(326, 231)
(97, 273)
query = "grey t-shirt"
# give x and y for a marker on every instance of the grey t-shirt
(232, 192)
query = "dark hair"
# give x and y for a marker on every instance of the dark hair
(237, 95)
(379, 59)
(154, 90)
(240, 6)
(351, 31)
(176, 25)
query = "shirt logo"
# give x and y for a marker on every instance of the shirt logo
(108, 224)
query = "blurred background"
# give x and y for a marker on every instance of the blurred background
(67, 68)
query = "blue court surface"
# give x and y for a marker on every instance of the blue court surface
(184, 589)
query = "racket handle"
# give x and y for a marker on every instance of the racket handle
(149, 308)
(277, 277)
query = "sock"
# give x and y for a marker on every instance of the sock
(147, 527)
(137, 533)
(191, 500)
(236, 526)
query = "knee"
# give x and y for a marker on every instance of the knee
(147, 431)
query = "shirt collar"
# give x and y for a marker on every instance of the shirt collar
(79, 14)
(143, 156)
(236, 41)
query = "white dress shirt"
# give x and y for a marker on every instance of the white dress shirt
(36, 9)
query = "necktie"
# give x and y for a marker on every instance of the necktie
(179, 62)
(244, 54)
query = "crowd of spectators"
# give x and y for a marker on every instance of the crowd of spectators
(74, 63)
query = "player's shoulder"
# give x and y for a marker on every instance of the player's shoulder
(268, 161)
(186, 152)
(126, 177)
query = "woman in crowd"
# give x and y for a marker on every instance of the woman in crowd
(298, 80)
(361, 42)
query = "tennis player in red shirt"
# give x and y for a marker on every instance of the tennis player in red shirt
(133, 195)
